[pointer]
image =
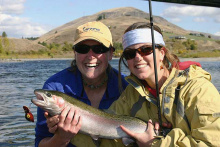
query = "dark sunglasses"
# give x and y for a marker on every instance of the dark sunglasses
(84, 49)
(143, 51)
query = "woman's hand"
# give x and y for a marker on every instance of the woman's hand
(144, 139)
(69, 124)
(66, 125)
(53, 121)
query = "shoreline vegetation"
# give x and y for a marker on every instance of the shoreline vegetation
(211, 59)
(183, 49)
(188, 48)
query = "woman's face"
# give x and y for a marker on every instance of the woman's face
(143, 66)
(92, 65)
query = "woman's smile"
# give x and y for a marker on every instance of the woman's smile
(91, 65)
(139, 66)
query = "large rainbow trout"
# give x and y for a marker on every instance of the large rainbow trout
(96, 123)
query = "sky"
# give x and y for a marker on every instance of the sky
(33, 18)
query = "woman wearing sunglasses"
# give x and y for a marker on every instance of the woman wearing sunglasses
(189, 102)
(90, 79)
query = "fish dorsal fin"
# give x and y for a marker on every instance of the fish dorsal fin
(95, 137)
(127, 141)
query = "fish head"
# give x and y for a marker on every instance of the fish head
(46, 100)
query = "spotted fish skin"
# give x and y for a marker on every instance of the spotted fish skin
(95, 122)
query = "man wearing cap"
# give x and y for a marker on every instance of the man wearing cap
(90, 79)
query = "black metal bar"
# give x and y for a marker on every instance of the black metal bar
(206, 3)
(155, 63)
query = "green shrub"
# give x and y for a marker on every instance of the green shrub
(4, 34)
(43, 43)
(1, 47)
(118, 46)
(177, 45)
(190, 44)
(67, 47)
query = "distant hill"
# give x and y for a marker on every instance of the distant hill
(117, 19)
(25, 44)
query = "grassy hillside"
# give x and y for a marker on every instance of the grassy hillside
(58, 42)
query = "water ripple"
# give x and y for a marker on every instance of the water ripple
(18, 81)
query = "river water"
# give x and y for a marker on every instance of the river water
(17, 83)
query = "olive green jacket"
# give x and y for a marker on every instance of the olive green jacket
(194, 113)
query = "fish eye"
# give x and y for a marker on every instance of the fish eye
(49, 94)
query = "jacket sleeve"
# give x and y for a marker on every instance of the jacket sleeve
(202, 109)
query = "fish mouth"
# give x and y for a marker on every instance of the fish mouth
(40, 98)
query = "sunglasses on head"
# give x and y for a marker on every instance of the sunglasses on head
(84, 49)
(143, 51)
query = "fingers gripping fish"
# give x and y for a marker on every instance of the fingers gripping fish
(96, 123)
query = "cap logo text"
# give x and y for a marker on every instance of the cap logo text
(91, 29)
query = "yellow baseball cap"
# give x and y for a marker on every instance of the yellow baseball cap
(95, 30)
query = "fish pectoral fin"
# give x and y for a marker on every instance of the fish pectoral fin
(95, 137)
(127, 141)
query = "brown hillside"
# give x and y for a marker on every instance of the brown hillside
(20, 45)
(117, 19)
